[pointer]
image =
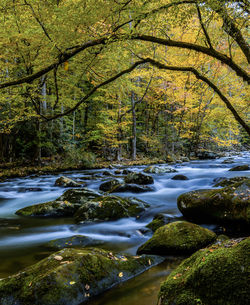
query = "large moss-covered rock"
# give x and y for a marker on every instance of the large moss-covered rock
(71, 276)
(76, 241)
(180, 237)
(230, 204)
(64, 206)
(66, 182)
(109, 208)
(153, 169)
(138, 178)
(218, 275)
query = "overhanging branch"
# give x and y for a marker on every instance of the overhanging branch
(209, 83)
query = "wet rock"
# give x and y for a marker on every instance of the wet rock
(185, 159)
(240, 168)
(229, 205)
(179, 177)
(126, 172)
(159, 169)
(216, 275)
(133, 188)
(138, 178)
(118, 172)
(228, 181)
(160, 220)
(109, 185)
(106, 173)
(203, 155)
(29, 189)
(180, 237)
(64, 206)
(76, 241)
(115, 186)
(106, 208)
(228, 161)
(71, 276)
(67, 182)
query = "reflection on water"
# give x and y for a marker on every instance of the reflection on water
(22, 239)
(142, 290)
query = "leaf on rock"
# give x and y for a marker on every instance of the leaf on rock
(58, 257)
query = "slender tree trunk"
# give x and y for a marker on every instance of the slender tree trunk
(133, 148)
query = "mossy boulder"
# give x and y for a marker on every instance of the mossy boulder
(109, 185)
(76, 241)
(71, 276)
(180, 237)
(106, 208)
(153, 169)
(138, 178)
(67, 182)
(230, 204)
(64, 206)
(240, 168)
(218, 275)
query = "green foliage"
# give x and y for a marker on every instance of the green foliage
(78, 156)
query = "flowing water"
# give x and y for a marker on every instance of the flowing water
(22, 239)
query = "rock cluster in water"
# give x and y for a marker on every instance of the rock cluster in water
(214, 275)
(86, 205)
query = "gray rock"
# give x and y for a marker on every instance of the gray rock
(159, 169)
(67, 182)
(138, 178)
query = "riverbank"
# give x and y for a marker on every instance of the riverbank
(15, 170)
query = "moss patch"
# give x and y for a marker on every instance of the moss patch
(110, 208)
(217, 275)
(180, 237)
(64, 206)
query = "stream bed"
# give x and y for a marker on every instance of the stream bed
(22, 239)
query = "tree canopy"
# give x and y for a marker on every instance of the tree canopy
(179, 69)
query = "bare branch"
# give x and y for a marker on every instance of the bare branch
(203, 27)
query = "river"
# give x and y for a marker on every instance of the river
(22, 239)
